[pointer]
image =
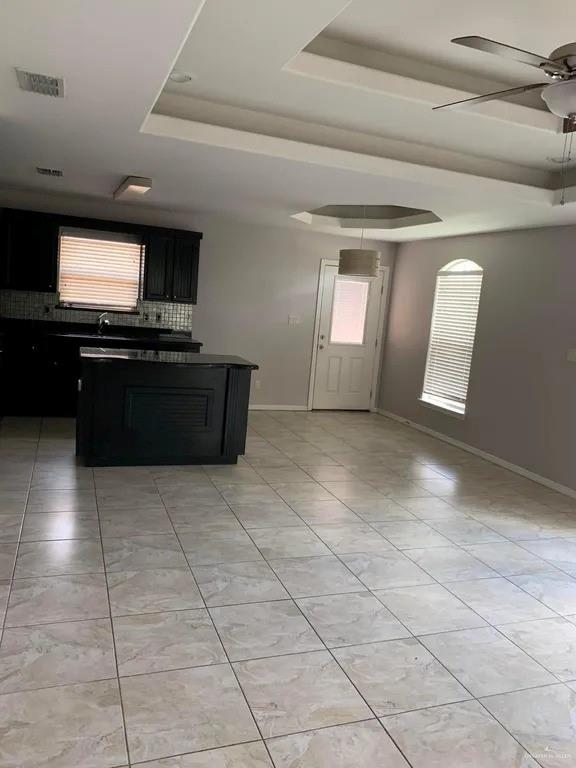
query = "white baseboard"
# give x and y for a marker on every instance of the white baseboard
(277, 407)
(482, 454)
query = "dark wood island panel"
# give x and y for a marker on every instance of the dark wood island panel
(142, 407)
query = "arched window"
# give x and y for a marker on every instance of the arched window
(452, 333)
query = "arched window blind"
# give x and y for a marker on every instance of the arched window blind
(452, 333)
(99, 269)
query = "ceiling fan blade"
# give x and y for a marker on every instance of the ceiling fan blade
(493, 96)
(515, 54)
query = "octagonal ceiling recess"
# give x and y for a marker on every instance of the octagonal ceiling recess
(367, 216)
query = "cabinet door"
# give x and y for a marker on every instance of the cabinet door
(31, 257)
(185, 275)
(158, 268)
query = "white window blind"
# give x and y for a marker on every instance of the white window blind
(452, 333)
(349, 308)
(99, 269)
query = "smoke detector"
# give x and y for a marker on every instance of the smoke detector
(35, 82)
(49, 171)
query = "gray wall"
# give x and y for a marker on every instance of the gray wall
(522, 394)
(251, 278)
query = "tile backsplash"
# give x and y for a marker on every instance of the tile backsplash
(33, 305)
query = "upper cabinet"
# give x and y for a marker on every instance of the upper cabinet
(29, 244)
(30, 251)
(172, 267)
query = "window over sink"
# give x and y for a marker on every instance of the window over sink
(99, 270)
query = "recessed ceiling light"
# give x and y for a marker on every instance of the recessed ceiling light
(179, 77)
(133, 186)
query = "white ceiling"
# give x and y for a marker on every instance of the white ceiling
(292, 106)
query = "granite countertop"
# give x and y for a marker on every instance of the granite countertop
(101, 354)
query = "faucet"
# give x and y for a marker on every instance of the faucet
(102, 322)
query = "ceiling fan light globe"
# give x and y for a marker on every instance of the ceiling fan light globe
(560, 98)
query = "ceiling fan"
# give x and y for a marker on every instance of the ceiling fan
(560, 66)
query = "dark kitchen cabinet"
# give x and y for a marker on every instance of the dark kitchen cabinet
(171, 267)
(30, 251)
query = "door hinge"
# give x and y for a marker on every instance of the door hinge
(376, 343)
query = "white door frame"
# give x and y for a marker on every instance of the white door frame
(385, 271)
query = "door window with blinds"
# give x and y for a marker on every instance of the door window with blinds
(452, 332)
(99, 270)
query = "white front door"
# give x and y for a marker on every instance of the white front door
(347, 342)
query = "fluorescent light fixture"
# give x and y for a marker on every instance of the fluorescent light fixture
(133, 186)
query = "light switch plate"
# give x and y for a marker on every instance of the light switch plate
(294, 319)
(571, 357)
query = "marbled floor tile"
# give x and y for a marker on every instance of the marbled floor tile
(72, 726)
(274, 514)
(485, 661)
(57, 598)
(134, 522)
(386, 569)
(153, 591)
(559, 552)
(380, 510)
(288, 542)
(556, 590)
(10, 526)
(320, 474)
(552, 642)
(73, 479)
(155, 642)
(252, 755)
(294, 693)
(128, 497)
(218, 547)
(246, 494)
(57, 558)
(4, 591)
(352, 537)
(429, 608)
(450, 564)
(187, 710)
(7, 558)
(54, 526)
(264, 629)
(193, 493)
(432, 508)
(12, 502)
(351, 619)
(498, 601)
(308, 576)
(543, 720)
(203, 518)
(56, 654)
(456, 735)
(143, 552)
(361, 745)
(466, 531)
(508, 559)
(324, 512)
(399, 675)
(61, 501)
(235, 583)
(306, 491)
(224, 476)
(276, 475)
(411, 534)
(352, 489)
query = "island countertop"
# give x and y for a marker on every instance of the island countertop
(103, 354)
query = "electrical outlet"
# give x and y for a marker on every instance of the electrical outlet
(47, 309)
(256, 383)
(158, 317)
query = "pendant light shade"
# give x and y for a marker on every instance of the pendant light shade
(359, 262)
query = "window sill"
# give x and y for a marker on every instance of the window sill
(435, 406)
(86, 308)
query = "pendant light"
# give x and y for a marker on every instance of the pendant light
(359, 262)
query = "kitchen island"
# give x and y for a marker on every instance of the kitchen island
(143, 407)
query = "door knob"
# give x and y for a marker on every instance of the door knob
(321, 346)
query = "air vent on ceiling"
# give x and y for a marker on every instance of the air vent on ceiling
(49, 171)
(38, 83)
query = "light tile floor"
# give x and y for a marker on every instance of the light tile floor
(352, 594)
